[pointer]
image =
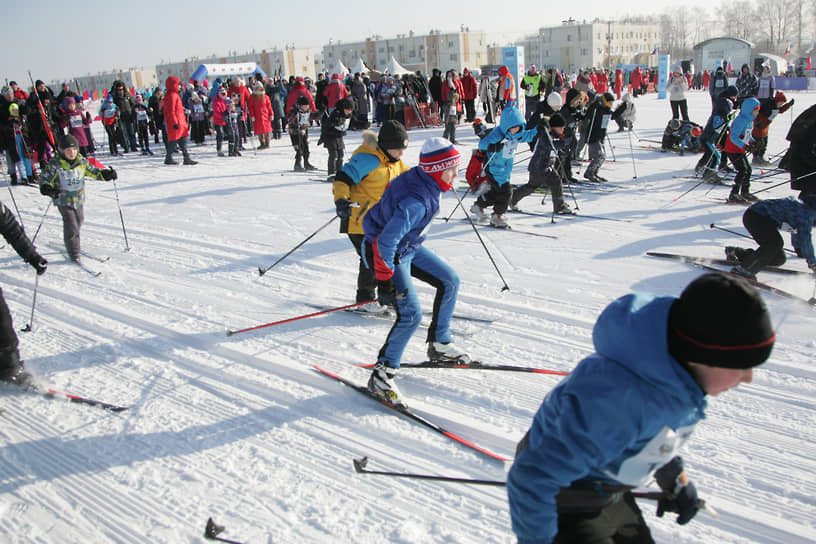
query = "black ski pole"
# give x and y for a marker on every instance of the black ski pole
(632, 151)
(27, 328)
(479, 236)
(360, 468)
(782, 183)
(685, 193)
(262, 271)
(20, 217)
(121, 217)
(212, 530)
(713, 226)
(41, 220)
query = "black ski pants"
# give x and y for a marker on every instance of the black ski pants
(618, 523)
(764, 231)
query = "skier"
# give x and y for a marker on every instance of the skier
(597, 118)
(768, 110)
(333, 128)
(298, 124)
(64, 181)
(575, 467)
(716, 125)
(142, 113)
(719, 83)
(501, 145)
(11, 367)
(363, 180)
(394, 232)
(764, 220)
(738, 139)
(546, 166)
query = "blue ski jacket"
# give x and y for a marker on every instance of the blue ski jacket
(619, 416)
(501, 157)
(798, 216)
(398, 222)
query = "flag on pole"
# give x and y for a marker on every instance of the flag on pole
(808, 63)
(655, 51)
(787, 51)
(729, 68)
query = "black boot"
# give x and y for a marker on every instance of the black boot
(298, 165)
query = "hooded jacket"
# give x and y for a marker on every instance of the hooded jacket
(741, 127)
(174, 118)
(501, 145)
(620, 415)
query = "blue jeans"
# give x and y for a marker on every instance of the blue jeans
(425, 266)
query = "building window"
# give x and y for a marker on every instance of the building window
(569, 37)
(453, 57)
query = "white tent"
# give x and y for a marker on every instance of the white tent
(395, 68)
(777, 64)
(339, 68)
(359, 67)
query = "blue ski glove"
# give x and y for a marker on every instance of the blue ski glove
(680, 494)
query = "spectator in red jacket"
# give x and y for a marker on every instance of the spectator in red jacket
(618, 82)
(299, 89)
(176, 122)
(471, 89)
(635, 80)
(260, 110)
(334, 91)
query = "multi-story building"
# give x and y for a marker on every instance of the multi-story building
(138, 78)
(573, 46)
(456, 50)
(286, 62)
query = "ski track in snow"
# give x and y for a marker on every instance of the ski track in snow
(242, 428)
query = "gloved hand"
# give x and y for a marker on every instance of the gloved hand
(48, 190)
(175, 127)
(686, 503)
(680, 494)
(386, 293)
(343, 208)
(39, 264)
(109, 174)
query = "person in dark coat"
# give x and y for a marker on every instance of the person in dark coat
(435, 87)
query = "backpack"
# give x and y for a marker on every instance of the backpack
(475, 174)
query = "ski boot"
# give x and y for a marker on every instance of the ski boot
(497, 220)
(446, 353)
(381, 384)
(478, 212)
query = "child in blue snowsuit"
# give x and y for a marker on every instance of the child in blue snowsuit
(501, 145)
(715, 126)
(394, 232)
(764, 221)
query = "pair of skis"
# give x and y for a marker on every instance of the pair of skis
(407, 412)
(708, 264)
(77, 399)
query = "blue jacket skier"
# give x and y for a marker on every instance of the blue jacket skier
(620, 417)
(501, 145)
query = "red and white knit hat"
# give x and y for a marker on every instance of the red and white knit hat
(437, 155)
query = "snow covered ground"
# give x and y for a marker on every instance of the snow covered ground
(242, 428)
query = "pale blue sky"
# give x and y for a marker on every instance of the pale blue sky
(56, 42)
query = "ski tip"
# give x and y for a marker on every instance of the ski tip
(230, 332)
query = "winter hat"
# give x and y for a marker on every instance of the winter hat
(780, 97)
(554, 100)
(557, 121)
(393, 136)
(436, 156)
(335, 77)
(14, 110)
(68, 141)
(720, 321)
(731, 90)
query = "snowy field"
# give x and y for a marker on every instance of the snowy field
(241, 428)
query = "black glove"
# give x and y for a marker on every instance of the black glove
(680, 495)
(343, 208)
(386, 293)
(39, 265)
(48, 190)
(175, 127)
(109, 174)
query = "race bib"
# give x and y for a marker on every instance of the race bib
(509, 149)
(141, 115)
(605, 120)
(76, 121)
(110, 112)
(637, 469)
(72, 180)
(198, 108)
(303, 118)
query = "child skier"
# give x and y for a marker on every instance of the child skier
(735, 144)
(142, 115)
(597, 118)
(623, 413)
(75, 122)
(394, 232)
(713, 131)
(333, 127)
(546, 166)
(768, 110)
(198, 119)
(501, 145)
(64, 181)
(298, 125)
(110, 120)
(764, 220)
